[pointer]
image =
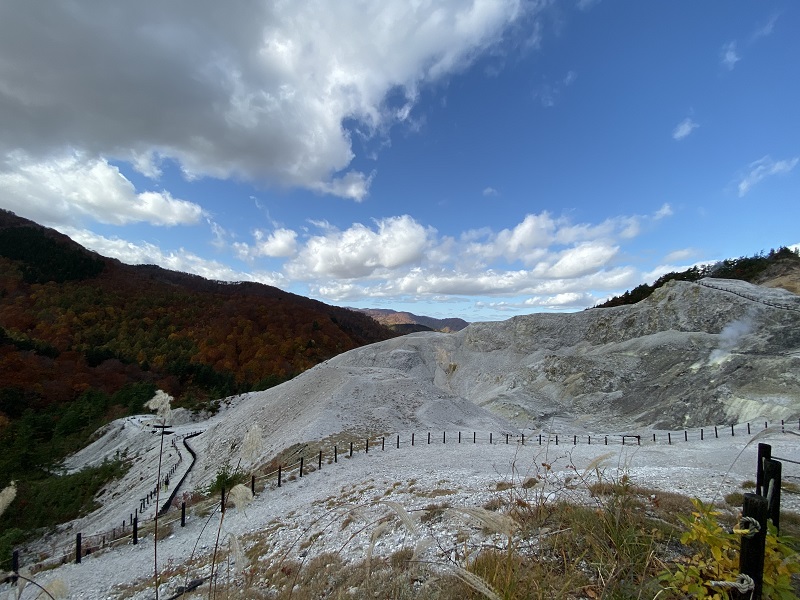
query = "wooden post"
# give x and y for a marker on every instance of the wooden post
(279, 476)
(748, 429)
(574, 440)
(654, 438)
(590, 440)
(335, 454)
(383, 443)
(301, 465)
(685, 436)
(429, 437)
(319, 466)
(351, 449)
(764, 454)
(459, 437)
(716, 433)
(556, 439)
(444, 437)
(772, 483)
(506, 439)
(412, 439)
(751, 558)
(398, 441)
(366, 447)
(701, 434)
(474, 437)
(669, 438)
(135, 530)
(183, 514)
(490, 438)
(77, 548)
(732, 434)
(253, 484)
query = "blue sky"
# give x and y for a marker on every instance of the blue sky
(478, 159)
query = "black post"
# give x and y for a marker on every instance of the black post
(490, 438)
(279, 476)
(669, 438)
(335, 454)
(222, 501)
(764, 454)
(654, 438)
(383, 443)
(474, 437)
(716, 433)
(701, 433)
(135, 530)
(574, 440)
(253, 484)
(606, 441)
(782, 429)
(366, 447)
(556, 439)
(590, 440)
(751, 558)
(772, 482)
(398, 441)
(183, 514)
(319, 466)
(459, 437)
(351, 449)
(444, 437)
(77, 548)
(506, 439)
(429, 437)
(412, 439)
(685, 436)
(732, 434)
(748, 429)
(301, 465)
(14, 565)
(638, 440)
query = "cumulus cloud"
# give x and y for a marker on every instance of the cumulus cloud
(684, 128)
(280, 243)
(361, 251)
(66, 189)
(761, 169)
(490, 191)
(257, 91)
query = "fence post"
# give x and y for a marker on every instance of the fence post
(335, 454)
(685, 436)
(222, 500)
(429, 437)
(506, 439)
(474, 436)
(351, 449)
(459, 437)
(574, 440)
(772, 479)
(398, 441)
(301, 465)
(412, 439)
(701, 433)
(716, 433)
(383, 443)
(751, 557)
(366, 447)
(319, 466)
(606, 442)
(669, 438)
(183, 514)
(764, 454)
(748, 429)
(590, 440)
(732, 434)
(279, 476)
(135, 530)
(444, 437)
(253, 484)
(654, 438)
(556, 439)
(490, 438)
(77, 548)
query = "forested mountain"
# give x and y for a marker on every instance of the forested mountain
(84, 338)
(404, 322)
(777, 268)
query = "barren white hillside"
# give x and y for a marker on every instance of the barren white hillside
(690, 356)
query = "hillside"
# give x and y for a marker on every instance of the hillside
(692, 355)
(402, 321)
(84, 339)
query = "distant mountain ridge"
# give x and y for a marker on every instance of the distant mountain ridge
(394, 319)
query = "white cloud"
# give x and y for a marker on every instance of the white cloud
(684, 128)
(360, 251)
(177, 260)
(255, 91)
(765, 30)
(490, 191)
(663, 212)
(280, 243)
(680, 255)
(66, 189)
(728, 55)
(762, 168)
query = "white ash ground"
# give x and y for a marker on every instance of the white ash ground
(283, 520)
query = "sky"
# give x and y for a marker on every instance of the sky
(454, 158)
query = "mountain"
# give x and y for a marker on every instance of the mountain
(400, 320)
(84, 338)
